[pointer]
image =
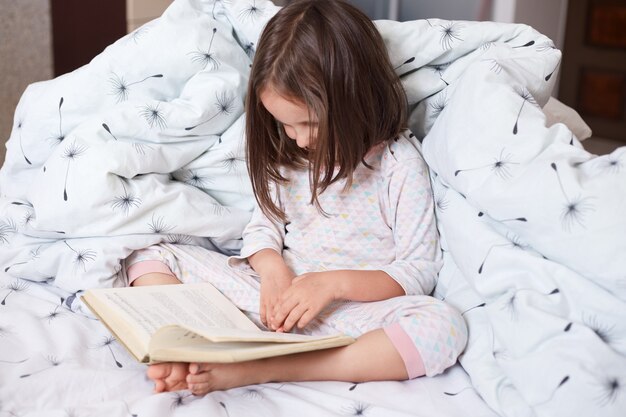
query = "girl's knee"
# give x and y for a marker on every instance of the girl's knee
(439, 333)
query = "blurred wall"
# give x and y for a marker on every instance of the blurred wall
(25, 55)
(422, 9)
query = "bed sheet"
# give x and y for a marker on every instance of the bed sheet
(57, 361)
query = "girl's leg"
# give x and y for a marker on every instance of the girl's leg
(154, 266)
(420, 335)
(371, 358)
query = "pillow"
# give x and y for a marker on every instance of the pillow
(557, 112)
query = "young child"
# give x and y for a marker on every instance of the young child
(344, 237)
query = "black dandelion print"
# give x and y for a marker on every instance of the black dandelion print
(106, 343)
(178, 400)
(14, 287)
(217, 209)
(249, 49)
(28, 218)
(546, 47)
(179, 239)
(554, 391)
(128, 410)
(449, 34)
(139, 33)
(526, 45)
(231, 160)
(53, 364)
(439, 69)
(225, 409)
(121, 88)
(611, 164)
(500, 166)
(251, 12)
(158, 226)
(125, 201)
(453, 394)
(603, 331)
(509, 305)
(81, 257)
(438, 105)
(441, 200)
(575, 208)
(512, 219)
(71, 153)
(526, 97)
(191, 177)
(153, 116)
(474, 307)
(408, 61)
(253, 393)
(225, 104)
(495, 67)
(206, 58)
(491, 248)
(54, 314)
(141, 148)
(15, 264)
(7, 228)
(19, 129)
(609, 387)
(60, 136)
(106, 127)
(356, 409)
(353, 386)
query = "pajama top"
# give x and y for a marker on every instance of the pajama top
(385, 221)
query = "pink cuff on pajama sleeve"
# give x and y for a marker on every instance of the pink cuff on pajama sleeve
(407, 350)
(146, 267)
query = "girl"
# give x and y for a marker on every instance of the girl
(344, 236)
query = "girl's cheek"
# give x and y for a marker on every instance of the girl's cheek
(290, 132)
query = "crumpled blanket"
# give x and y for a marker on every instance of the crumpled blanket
(142, 145)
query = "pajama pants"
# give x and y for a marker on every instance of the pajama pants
(428, 334)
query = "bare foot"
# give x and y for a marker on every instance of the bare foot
(169, 376)
(208, 377)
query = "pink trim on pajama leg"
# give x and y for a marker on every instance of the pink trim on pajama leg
(146, 267)
(407, 350)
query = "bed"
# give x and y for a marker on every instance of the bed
(145, 145)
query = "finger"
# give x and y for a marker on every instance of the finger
(199, 389)
(283, 310)
(198, 367)
(201, 377)
(293, 317)
(306, 319)
(159, 386)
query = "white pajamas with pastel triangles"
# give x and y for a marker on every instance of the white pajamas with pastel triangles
(385, 221)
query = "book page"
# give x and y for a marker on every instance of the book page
(199, 306)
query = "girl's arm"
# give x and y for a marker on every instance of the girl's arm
(411, 214)
(268, 262)
(364, 285)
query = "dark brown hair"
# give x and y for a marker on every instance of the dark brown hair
(328, 55)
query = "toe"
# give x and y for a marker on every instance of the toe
(159, 370)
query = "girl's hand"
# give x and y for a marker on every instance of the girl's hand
(304, 300)
(272, 287)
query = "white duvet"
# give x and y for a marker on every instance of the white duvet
(144, 144)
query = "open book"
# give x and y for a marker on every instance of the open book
(192, 323)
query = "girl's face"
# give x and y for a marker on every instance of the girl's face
(293, 115)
